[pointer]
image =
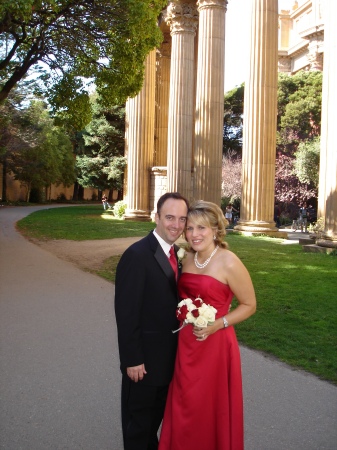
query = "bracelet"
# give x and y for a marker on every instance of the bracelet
(225, 322)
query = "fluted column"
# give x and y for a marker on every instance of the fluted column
(209, 100)
(182, 18)
(139, 144)
(162, 101)
(327, 200)
(259, 127)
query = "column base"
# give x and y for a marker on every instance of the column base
(327, 242)
(259, 227)
(137, 216)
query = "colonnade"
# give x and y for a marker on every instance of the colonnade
(175, 124)
(186, 148)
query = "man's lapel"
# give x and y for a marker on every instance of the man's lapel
(163, 261)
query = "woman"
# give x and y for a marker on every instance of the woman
(229, 212)
(204, 410)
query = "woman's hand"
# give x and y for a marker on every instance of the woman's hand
(202, 333)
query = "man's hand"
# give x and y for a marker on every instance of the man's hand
(136, 373)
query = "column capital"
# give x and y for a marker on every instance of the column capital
(284, 64)
(182, 17)
(316, 61)
(203, 4)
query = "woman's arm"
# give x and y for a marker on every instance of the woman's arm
(241, 285)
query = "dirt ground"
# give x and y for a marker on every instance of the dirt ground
(87, 255)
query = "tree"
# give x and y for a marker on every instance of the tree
(299, 108)
(233, 120)
(306, 162)
(298, 128)
(39, 153)
(101, 41)
(231, 176)
(288, 188)
(100, 161)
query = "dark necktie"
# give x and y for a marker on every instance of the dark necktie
(173, 262)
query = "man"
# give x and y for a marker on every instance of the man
(303, 217)
(277, 214)
(105, 202)
(145, 304)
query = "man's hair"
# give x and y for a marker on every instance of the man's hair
(168, 195)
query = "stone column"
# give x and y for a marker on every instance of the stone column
(139, 143)
(327, 200)
(162, 101)
(158, 187)
(315, 48)
(284, 60)
(209, 100)
(182, 17)
(259, 127)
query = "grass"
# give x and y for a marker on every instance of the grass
(79, 223)
(296, 318)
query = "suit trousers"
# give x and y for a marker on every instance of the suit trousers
(142, 412)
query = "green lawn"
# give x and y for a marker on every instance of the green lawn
(80, 223)
(296, 318)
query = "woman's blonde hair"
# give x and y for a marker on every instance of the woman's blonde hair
(209, 214)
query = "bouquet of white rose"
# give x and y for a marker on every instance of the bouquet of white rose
(195, 312)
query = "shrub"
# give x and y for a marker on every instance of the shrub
(61, 198)
(119, 209)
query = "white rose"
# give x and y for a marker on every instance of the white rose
(213, 309)
(191, 307)
(181, 253)
(203, 308)
(200, 322)
(190, 318)
(209, 314)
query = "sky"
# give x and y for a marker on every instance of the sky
(236, 43)
(236, 40)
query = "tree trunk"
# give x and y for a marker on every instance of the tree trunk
(4, 181)
(75, 192)
(120, 195)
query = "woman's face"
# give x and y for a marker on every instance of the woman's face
(199, 236)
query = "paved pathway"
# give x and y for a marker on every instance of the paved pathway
(59, 373)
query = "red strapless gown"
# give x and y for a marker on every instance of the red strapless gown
(204, 409)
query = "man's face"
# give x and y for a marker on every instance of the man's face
(172, 219)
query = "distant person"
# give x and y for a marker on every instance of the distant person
(105, 202)
(204, 409)
(229, 212)
(303, 212)
(146, 299)
(277, 215)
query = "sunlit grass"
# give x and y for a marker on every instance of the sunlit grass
(80, 223)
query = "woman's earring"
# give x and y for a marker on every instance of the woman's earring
(214, 237)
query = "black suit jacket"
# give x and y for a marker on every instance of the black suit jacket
(145, 305)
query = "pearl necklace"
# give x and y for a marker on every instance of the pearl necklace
(201, 266)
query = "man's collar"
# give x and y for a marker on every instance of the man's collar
(164, 245)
